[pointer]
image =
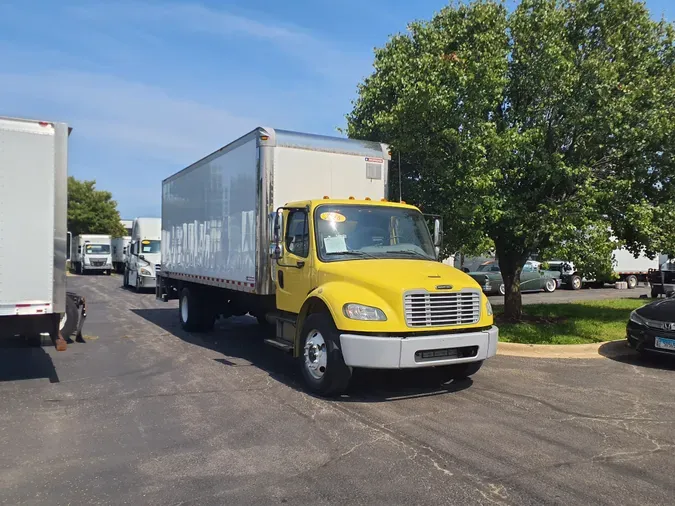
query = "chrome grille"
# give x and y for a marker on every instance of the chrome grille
(158, 268)
(440, 309)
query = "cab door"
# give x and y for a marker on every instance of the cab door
(293, 269)
(530, 278)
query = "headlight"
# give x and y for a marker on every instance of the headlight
(489, 308)
(361, 312)
(636, 318)
(145, 272)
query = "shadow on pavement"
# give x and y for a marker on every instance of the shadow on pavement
(21, 361)
(619, 351)
(241, 337)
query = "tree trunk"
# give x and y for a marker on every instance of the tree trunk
(513, 298)
(511, 261)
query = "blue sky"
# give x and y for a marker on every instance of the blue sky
(150, 87)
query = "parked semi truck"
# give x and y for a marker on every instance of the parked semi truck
(33, 234)
(144, 255)
(295, 229)
(92, 253)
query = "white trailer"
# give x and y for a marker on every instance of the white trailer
(92, 253)
(216, 226)
(33, 235)
(144, 254)
(119, 252)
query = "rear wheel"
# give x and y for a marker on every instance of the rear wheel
(502, 289)
(194, 316)
(69, 318)
(631, 281)
(655, 293)
(550, 285)
(323, 366)
(458, 372)
(575, 282)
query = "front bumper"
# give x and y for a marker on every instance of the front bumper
(423, 351)
(147, 281)
(642, 338)
(87, 267)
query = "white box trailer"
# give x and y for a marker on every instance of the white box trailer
(216, 226)
(33, 235)
(119, 252)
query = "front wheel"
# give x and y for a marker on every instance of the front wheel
(550, 286)
(655, 293)
(323, 366)
(194, 316)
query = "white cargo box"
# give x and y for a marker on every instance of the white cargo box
(216, 212)
(33, 207)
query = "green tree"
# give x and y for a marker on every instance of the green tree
(527, 127)
(92, 211)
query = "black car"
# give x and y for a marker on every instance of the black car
(652, 327)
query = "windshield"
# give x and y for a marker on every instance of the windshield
(97, 249)
(353, 231)
(150, 246)
(488, 268)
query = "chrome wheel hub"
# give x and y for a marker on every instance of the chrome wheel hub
(316, 358)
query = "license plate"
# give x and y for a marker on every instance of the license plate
(665, 344)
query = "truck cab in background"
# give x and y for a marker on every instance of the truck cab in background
(143, 257)
(92, 253)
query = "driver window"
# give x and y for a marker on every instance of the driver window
(297, 234)
(528, 268)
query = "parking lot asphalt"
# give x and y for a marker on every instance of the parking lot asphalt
(144, 413)
(562, 295)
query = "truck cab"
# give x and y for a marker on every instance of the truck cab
(358, 284)
(92, 253)
(143, 254)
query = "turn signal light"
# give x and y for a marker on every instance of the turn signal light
(367, 198)
(351, 197)
(326, 197)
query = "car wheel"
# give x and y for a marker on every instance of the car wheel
(575, 282)
(550, 285)
(323, 366)
(632, 281)
(502, 289)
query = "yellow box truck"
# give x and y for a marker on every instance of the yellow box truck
(295, 230)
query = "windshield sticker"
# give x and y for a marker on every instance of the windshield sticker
(333, 217)
(335, 244)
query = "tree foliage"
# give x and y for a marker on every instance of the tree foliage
(550, 125)
(92, 211)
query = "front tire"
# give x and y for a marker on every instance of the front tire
(550, 286)
(323, 366)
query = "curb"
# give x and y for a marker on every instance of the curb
(606, 349)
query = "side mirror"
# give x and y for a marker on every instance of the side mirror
(276, 248)
(142, 257)
(69, 244)
(438, 232)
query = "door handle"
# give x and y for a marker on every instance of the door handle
(300, 264)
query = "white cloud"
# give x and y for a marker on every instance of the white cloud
(317, 54)
(129, 115)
